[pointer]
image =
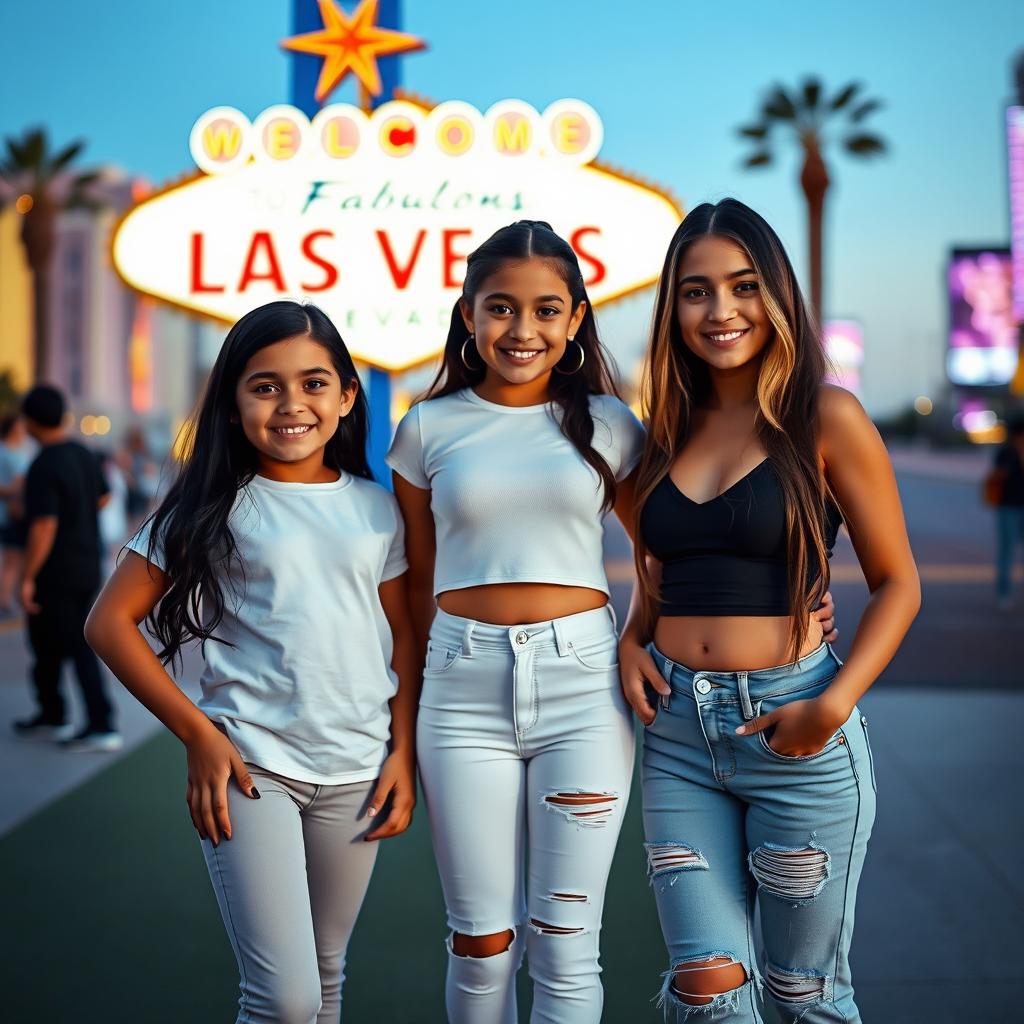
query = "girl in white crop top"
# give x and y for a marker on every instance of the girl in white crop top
(276, 549)
(525, 744)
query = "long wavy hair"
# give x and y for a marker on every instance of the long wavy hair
(792, 371)
(190, 526)
(515, 243)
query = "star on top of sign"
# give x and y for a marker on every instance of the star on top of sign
(351, 44)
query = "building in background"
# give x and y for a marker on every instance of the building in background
(121, 359)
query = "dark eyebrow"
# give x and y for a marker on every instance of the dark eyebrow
(511, 298)
(701, 279)
(271, 375)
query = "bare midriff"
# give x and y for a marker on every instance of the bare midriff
(513, 604)
(731, 643)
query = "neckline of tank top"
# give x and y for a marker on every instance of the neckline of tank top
(700, 504)
(517, 410)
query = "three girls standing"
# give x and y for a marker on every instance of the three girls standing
(525, 742)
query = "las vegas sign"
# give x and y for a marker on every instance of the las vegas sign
(371, 215)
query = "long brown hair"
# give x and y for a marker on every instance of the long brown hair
(793, 364)
(535, 239)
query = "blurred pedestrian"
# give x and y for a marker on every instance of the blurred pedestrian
(15, 456)
(114, 513)
(64, 490)
(141, 473)
(1004, 487)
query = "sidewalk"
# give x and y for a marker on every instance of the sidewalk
(939, 913)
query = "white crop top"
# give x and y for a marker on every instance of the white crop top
(513, 500)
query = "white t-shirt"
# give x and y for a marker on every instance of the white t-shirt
(304, 692)
(513, 500)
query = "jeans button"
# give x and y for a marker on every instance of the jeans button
(703, 686)
(521, 637)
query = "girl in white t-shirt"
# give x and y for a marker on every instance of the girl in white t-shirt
(276, 550)
(525, 741)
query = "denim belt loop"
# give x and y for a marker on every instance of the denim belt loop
(562, 642)
(745, 705)
(467, 639)
(612, 616)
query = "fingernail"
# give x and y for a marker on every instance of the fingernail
(254, 793)
(742, 730)
(371, 812)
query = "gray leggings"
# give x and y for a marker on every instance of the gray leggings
(290, 884)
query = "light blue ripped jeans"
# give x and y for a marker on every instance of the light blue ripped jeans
(525, 752)
(728, 820)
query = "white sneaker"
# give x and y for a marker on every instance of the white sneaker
(39, 728)
(87, 742)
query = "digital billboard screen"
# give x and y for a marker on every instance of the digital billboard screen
(982, 329)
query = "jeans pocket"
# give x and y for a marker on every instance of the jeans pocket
(763, 740)
(440, 657)
(599, 655)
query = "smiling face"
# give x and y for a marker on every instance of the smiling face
(290, 400)
(719, 307)
(522, 316)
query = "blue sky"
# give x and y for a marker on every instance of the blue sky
(671, 80)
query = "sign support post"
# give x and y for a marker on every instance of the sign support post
(305, 70)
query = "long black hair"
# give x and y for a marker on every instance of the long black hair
(190, 526)
(535, 239)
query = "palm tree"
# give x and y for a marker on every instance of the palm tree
(40, 184)
(808, 114)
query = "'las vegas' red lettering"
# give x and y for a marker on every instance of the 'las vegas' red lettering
(451, 257)
(329, 269)
(401, 275)
(198, 286)
(600, 271)
(263, 244)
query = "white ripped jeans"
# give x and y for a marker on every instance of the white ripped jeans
(526, 754)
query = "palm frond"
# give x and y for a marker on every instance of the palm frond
(760, 159)
(66, 156)
(754, 131)
(34, 150)
(862, 110)
(811, 94)
(843, 97)
(779, 106)
(864, 145)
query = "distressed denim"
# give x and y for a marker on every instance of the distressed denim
(731, 824)
(526, 752)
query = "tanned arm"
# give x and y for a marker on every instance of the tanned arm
(112, 631)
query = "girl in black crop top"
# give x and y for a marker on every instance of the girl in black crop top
(751, 464)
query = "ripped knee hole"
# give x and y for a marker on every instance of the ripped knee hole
(478, 947)
(790, 873)
(697, 984)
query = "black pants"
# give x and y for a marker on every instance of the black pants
(56, 634)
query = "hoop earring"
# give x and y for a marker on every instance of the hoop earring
(579, 365)
(462, 354)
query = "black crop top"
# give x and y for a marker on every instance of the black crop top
(726, 556)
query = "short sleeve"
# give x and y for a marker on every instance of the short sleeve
(623, 435)
(41, 495)
(406, 454)
(395, 564)
(140, 545)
